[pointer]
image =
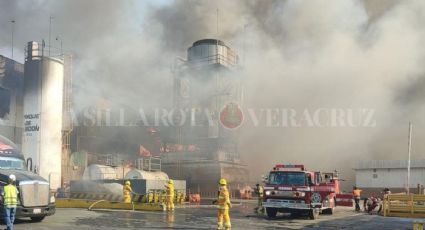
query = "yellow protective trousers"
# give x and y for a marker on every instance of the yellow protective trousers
(223, 215)
(170, 202)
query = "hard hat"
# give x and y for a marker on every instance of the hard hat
(170, 181)
(222, 181)
(127, 182)
(12, 177)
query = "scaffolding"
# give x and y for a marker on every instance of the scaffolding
(67, 123)
(149, 163)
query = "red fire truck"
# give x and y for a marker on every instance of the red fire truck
(292, 189)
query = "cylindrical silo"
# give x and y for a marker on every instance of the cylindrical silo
(211, 51)
(43, 94)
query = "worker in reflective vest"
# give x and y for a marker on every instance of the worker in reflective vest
(170, 195)
(223, 205)
(356, 195)
(10, 201)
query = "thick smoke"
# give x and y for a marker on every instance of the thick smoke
(303, 55)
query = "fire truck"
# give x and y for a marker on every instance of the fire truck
(295, 190)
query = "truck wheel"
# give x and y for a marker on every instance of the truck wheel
(271, 212)
(37, 218)
(313, 214)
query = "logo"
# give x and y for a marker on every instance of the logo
(316, 198)
(231, 116)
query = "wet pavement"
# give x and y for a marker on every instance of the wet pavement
(203, 217)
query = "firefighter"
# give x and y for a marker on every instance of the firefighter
(10, 201)
(127, 191)
(259, 190)
(170, 195)
(356, 195)
(223, 205)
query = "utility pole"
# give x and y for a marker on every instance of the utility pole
(244, 44)
(13, 28)
(60, 39)
(50, 32)
(217, 23)
(408, 160)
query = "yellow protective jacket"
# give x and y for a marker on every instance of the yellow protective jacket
(170, 190)
(223, 201)
(10, 196)
(127, 190)
(260, 191)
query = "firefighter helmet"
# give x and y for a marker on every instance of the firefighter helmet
(170, 181)
(127, 183)
(222, 181)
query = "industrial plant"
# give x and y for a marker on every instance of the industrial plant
(37, 114)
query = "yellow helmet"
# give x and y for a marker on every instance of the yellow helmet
(170, 181)
(222, 181)
(127, 183)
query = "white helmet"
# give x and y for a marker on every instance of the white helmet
(12, 177)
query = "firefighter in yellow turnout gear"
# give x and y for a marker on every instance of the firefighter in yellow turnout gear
(223, 205)
(259, 190)
(170, 195)
(127, 191)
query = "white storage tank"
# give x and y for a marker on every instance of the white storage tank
(43, 94)
(146, 175)
(99, 172)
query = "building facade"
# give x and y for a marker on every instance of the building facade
(375, 175)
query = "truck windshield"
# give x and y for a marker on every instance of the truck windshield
(11, 163)
(287, 178)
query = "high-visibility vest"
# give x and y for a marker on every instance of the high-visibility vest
(223, 199)
(356, 192)
(10, 195)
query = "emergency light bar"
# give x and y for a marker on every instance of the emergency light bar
(281, 167)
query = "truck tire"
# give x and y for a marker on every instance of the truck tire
(313, 214)
(37, 218)
(271, 212)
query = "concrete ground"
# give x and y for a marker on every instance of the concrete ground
(203, 217)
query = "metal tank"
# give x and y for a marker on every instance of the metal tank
(99, 172)
(43, 94)
(146, 175)
(211, 51)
